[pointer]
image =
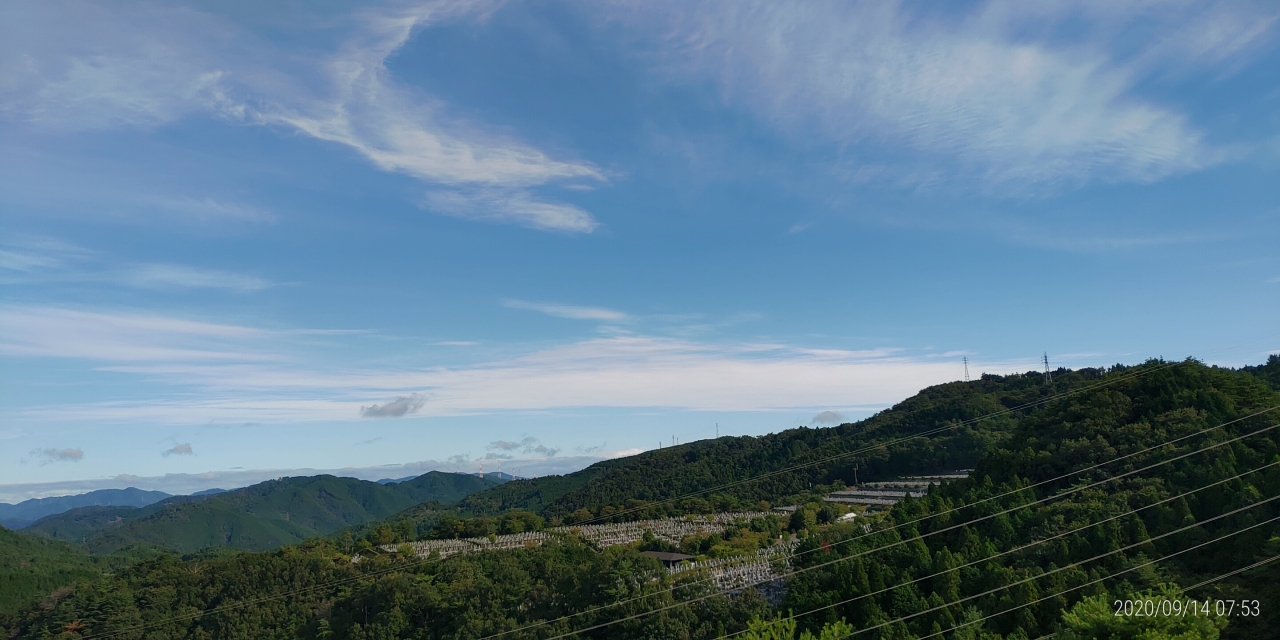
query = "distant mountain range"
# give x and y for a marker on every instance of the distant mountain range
(263, 516)
(17, 516)
(493, 474)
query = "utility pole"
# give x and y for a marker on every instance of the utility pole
(717, 429)
(855, 475)
(966, 368)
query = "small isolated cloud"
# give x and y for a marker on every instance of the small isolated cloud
(594, 449)
(457, 343)
(572, 312)
(370, 441)
(527, 445)
(459, 458)
(546, 452)
(396, 408)
(828, 417)
(50, 456)
(497, 456)
(11, 434)
(183, 449)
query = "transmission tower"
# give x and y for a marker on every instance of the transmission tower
(966, 368)
(1048, 377)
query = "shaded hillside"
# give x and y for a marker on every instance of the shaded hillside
(891, 569)
(16, 516)
(264, 516)
(78, 525)
(30, 566)
(614, 485)
(443, 487)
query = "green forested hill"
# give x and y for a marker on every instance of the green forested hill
(31, 565)
(264, 516)
(655, 476)
(474, 596)
(446, 488)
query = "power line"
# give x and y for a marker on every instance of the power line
(944, 512)
(1056, 536)
(931, 533)
(1076, 564)
(1123, 571)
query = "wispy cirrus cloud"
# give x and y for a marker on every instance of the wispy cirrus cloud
(568, 311)
(147, 66)
(41, 331)
(43, 261)
(171, 276)
(986, 87)
(514, 206)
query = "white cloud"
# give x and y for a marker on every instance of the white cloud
(154, 65)
(120, 337)
(571, 312)
(982, 88)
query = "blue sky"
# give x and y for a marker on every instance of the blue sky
(243, 241)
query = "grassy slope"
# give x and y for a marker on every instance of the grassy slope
(264, 516)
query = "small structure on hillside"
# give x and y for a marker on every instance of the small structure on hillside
(668, 560)
(880, 495)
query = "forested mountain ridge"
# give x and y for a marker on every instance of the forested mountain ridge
(659, 475)
(908, 587)
(263, 516)
(16, 516)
